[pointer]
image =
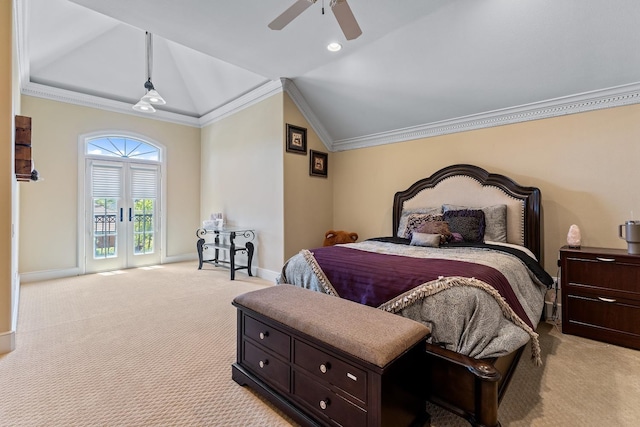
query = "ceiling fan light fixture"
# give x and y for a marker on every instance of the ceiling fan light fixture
(334, 47)
(144, 107)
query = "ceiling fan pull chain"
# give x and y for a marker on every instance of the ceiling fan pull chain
(323, 7)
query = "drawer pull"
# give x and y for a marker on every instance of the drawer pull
(603, 299)
(351, 376)
(605, 259)
(324, 404)
(263, 335)
(263, 363)
(325, 367)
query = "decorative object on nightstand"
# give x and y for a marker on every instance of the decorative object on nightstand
(601, 294)
(631, 235)
(573, 237)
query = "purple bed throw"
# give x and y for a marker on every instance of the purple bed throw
(372, 278)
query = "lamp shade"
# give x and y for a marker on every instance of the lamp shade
(153, 97)
(144, 107)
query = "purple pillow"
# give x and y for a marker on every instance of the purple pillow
(469, 223)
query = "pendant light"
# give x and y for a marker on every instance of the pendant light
(152, 97)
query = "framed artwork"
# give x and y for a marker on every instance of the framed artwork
(296, 139)
(318, 163)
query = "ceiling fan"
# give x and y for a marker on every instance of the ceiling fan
(340, 9)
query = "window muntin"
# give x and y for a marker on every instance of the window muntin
(123, 147)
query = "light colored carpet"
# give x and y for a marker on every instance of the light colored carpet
(154, 347)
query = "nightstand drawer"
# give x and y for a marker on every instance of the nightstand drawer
(330, 369)
(325, 403)
(603, 273)
(268, 366)
(605, 313)
(267, 336)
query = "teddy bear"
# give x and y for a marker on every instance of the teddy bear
(332, 237)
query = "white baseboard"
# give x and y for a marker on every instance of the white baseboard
(7, 342)
(36, 276)
(266, 274)
(180, 258)
(16, 304)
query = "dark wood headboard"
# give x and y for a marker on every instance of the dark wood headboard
(528, 196)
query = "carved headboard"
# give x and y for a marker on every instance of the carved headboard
(468, 185)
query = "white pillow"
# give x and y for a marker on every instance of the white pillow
(425, 239)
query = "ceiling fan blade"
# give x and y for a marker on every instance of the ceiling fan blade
(346, 20)
(290, 14)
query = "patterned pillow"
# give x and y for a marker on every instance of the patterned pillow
(495, 221)
(415, 221)
(437, 227)
(468, 222)
(402, 223)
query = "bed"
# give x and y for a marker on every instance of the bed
(478, 283)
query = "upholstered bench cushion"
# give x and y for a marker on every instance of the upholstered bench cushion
(368, 333)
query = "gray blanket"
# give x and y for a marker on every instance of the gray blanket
(465, 315)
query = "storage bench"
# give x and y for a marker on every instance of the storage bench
(328, 361)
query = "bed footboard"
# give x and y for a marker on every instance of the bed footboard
(471, 388)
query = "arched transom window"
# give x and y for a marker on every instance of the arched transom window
(123, 147)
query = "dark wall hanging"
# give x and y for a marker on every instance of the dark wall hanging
(296, 139)
(318, 163)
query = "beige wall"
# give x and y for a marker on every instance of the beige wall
(586, 166)
(49, 208)
(242, 176)
(7, 180)
(308, 200)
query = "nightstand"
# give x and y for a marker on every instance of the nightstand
(601, 294)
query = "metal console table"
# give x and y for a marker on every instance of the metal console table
(224, 240)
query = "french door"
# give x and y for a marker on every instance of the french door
(122, 215)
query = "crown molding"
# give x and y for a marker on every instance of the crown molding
(245, 101)
(71, 97)
(256, 95)
(588, 101)
(294, 93)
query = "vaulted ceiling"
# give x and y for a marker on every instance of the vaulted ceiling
(420, 68)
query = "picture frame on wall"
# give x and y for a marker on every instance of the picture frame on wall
(318, 163)
(296, 139)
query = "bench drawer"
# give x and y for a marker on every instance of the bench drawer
(330, 369)
(267, 336)
(269, 367)
(326, 403)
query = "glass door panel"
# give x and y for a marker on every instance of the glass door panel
(143, 226)
(122, 219)
(105, 233)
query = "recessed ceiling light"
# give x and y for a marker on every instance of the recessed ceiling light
(334, 47)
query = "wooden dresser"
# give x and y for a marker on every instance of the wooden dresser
(320, 384)
(601, 294)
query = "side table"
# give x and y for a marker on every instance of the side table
(601, 294)
(224, 240)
